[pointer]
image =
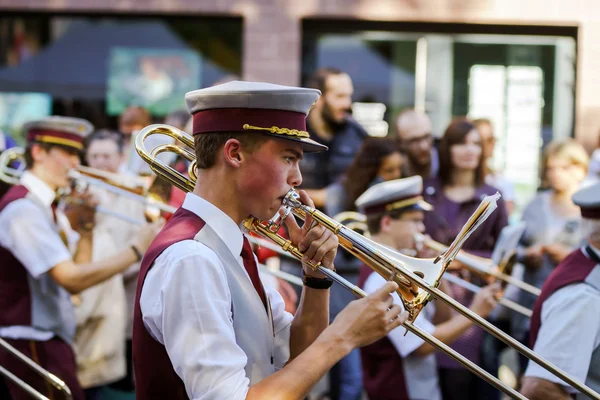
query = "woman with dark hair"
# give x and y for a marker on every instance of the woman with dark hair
(455, 194)
(377, 160)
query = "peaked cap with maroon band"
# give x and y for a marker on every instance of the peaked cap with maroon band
(395, 195)
(254, 107)
(588, 200)
(63, 131)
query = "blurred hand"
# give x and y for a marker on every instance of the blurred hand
(557, 252)
(533, 256)
(81, 210)
(147, 234)
(457, 265)
(486, 300)
(368, 319)
(317, 243)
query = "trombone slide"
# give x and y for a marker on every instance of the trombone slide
(475, 289)
(449, 277)
(47, 376)
(481, 266)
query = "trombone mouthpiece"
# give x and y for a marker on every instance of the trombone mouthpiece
(292, 199)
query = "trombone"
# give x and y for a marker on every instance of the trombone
(47, 376)
(483, 266)
(84, 177)
(417, 279)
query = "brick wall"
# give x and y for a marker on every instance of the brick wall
(272, 30)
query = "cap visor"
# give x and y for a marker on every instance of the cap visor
(423, 205)
(308, 145)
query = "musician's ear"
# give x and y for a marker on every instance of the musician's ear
(232, 152)
(385, 225)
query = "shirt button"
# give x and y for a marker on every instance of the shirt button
(272, 360)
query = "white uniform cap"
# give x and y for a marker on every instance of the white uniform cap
(254, 107)
(395, 195)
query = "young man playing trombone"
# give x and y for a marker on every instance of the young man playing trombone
(399, 366)
(565, 325)
(39, 271)
(204, 325)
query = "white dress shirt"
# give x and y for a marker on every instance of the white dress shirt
(28, 231)
(420, 373)
(569, 333)
(186, 305)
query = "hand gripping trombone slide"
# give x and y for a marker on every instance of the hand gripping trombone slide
(418, 279)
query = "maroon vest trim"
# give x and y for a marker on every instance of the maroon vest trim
(382, 366)
(573, 269)
(155, 377)
(15, 296)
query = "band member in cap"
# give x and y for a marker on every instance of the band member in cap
(204, 325)
(38, 271)
(565, 325)
(403, 366)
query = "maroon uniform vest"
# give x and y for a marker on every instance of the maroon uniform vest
(382, 366)
(15, 297)
(155, 377)
(573, 269)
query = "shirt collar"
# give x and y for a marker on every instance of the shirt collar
(595, 250)
(226, 228)
(39, 188)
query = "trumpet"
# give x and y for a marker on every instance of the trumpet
(47, 376)
(484, 266)
(417, 279)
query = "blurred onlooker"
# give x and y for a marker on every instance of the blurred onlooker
(455, 194)
(553, 223)
(594, 165)
(377, 160)
(415, 139)
(494, 178)
(131, 121)
(105, 312)
(330, 123)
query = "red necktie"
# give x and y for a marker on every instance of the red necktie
(53, 207)
(252, 269)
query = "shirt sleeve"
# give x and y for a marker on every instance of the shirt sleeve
(569, 333)
(404, 344)
(32, 238)
(186, 306)
(282, 321)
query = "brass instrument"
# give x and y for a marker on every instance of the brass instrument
(484, 266)
(82, 177)
(8, 174)
(47, 376)
(140, 186)
(418, 279)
